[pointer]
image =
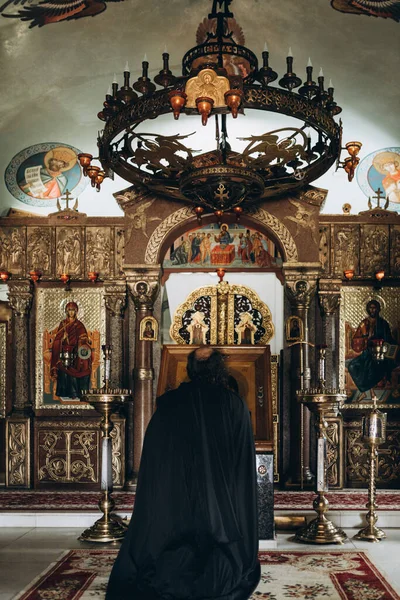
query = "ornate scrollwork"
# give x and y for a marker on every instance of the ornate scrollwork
(332, 453)
(222, 308)
(17, 453)
(3, 368)
(66, 456)
(117, 454)
(115, 298)
(280, 231)
(20, 297)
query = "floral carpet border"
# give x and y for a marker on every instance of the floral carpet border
(38, 500)
(309, 575)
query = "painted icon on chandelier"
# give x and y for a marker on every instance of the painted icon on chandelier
(40, 174)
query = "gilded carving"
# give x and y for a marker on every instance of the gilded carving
(39, 249)
(346, 245)
(209, 85)
(69, 257)
(224, 321)
(388, 460)
(3, 368)
(187, 310)
(115, 298)
(17, 453)
(314, 196)
(329, 295)
(395, 250)
(374, 249)
(118, 459)
(332, 453)
(275, 412)
(20, 297)
(119, 251)
(12, 249)
(98, 250)
(67, 456)
(304, 219)
(324, 248)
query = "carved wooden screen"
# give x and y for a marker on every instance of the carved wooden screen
(222, 314)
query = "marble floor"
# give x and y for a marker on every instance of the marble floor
(26, 552)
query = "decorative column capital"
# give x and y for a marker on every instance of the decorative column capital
(20, 297)
(115, 297)
(329, 295)
(144, 285)
(301, 281)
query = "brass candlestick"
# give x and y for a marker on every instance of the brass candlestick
(374, 433)
(321, 401)
(106, 401)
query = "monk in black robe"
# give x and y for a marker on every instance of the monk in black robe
(193, 533)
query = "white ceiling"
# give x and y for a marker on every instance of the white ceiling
(54, 78)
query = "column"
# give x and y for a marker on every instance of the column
(18, 424)
(144, 285)
(329, 301)
(300, 289)
(329, 295)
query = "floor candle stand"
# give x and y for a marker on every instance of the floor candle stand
(106, 401)
(374, 433)
(321, 401)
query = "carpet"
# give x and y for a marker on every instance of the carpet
(36, 500)
(340, 575)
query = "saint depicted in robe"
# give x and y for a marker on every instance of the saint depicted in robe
(197, 329)
(48, 181)
(245, 329)
(71, 356)
(365, 371)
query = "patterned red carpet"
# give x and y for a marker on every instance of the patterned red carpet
(303, 575)
(33, 501)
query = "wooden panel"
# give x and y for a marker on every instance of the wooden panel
(251, 367)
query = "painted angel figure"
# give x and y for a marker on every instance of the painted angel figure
(140, 219)
(303, 219)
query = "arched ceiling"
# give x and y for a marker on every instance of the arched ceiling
(54, 78)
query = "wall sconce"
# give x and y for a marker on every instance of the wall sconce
(238, 211)
(4, 276)
(221, 274)
(65, 278)
(93, 276)
(199, 211)
(35, 275)
(350, 162)
(84, 161)
(349, 274)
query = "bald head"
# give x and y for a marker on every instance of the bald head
(203, 353)
(206, 365)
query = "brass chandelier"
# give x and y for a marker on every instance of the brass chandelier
(221, 82)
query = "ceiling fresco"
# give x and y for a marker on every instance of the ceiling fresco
(54, 79)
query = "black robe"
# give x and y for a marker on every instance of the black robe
(193, 533)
